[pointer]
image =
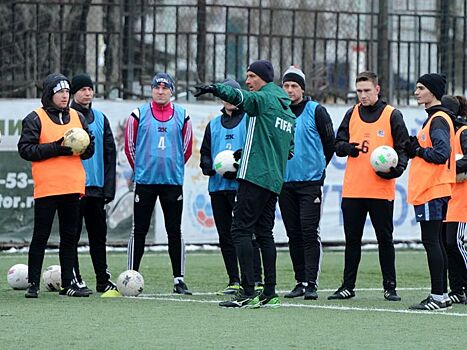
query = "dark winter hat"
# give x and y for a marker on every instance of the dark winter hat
(232, 83)
(262, 69)
(434, 82)
(451, 103)
(80, 81)
(294, 74)
(163, 78)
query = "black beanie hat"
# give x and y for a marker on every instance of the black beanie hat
(80, 81)
(434, 82)
(262, 69)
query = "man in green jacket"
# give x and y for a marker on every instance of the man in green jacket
(268, 145)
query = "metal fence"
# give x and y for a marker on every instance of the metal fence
(122, 43)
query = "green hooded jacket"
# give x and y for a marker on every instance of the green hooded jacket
(270, 131)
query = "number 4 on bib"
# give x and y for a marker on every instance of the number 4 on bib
(161, 145)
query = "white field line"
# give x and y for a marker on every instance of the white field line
(324, 307)
(286, 291)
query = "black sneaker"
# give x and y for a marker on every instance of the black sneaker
(242, 301)
(32, 291)
(448, 303)
(391, 295)
(82, 285)
(181, 288)
(342, 293)
(311, 292)
(104, 287)
(457, 298)
(73, 291)
(430, 304)
(298, 291)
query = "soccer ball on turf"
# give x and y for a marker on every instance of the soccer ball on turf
(383, 158)
(224, 161)
(77, 139)
(52, 278)
(18, 276)
(461, 177)
(130, 283)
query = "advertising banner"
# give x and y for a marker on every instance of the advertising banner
(16, 184)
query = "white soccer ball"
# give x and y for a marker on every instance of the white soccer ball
(130, 283)
(224, 161)
(77, 139)
(18, 276)
(52, 278)
(383, 158)
(461, 177)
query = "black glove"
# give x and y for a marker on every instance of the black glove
(209, 172)
(392, 174)
(204, 89)
(107, 200)
(230, 175)
(351, 149)
(61, 150)
(237, 154)
(290, 155)
(412, 146)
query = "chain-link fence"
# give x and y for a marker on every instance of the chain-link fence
(122, 43)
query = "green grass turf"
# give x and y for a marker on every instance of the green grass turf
(163, 321)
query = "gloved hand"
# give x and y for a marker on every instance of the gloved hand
(393, 173)
(230, 175)
(412, 146)
(351, 149)
(237, 154)
(204, 89)
(290, 155)
(61, 150)
(209, 172)
(107, 200)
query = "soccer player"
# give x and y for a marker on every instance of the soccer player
(456, 217)
(100, 183)
(301, 195)
(270, 127)
(431, 177)
(59, 180)
(367, 125)
(226, 131)
(158, 143)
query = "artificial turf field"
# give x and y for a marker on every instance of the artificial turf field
(161, 320)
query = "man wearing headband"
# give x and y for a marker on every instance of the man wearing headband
(158, 143)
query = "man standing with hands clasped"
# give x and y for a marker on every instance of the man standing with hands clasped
(367, 125)
(301, 196)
